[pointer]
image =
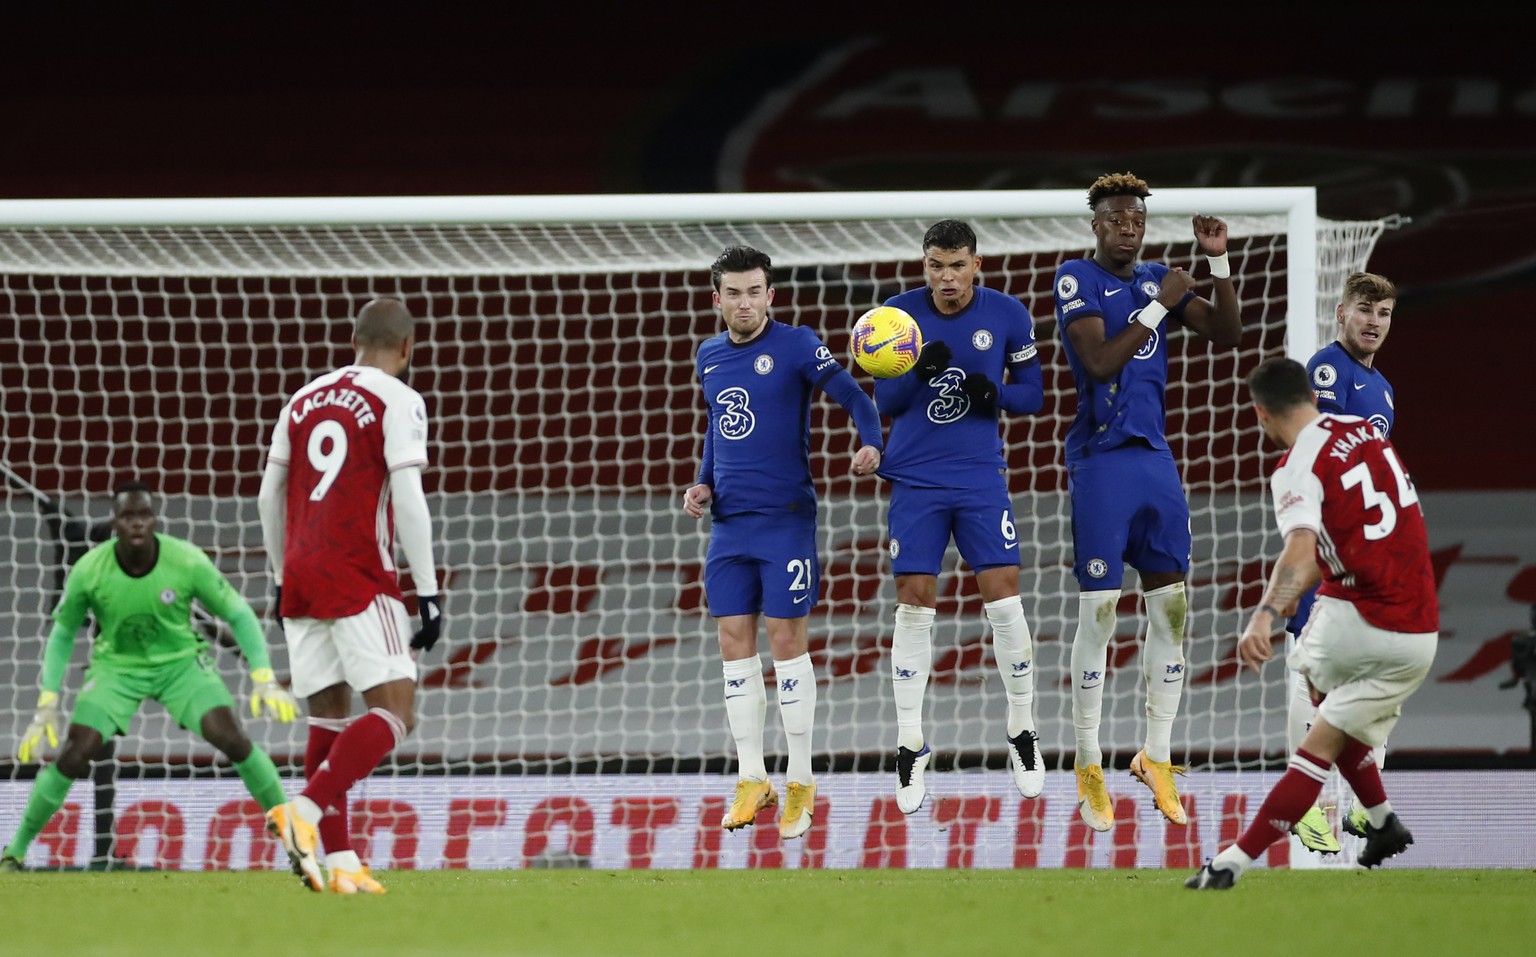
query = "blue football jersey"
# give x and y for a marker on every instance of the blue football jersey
(759, 395)
(1130, 406)
(938, 439)
(1346, 386)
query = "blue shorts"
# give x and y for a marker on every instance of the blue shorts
(762, 564)
(922, 521)
(1128, 508)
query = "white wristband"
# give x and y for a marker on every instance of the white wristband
(1152, 315)
(1221, 268)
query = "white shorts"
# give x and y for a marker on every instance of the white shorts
(364, 650)
(1365, 672)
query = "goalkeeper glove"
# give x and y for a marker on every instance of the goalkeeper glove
(265, 690)
(981, 390)
(431, 623)
(933, 360)
(45, 723)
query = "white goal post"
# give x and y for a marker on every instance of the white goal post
(157, 339)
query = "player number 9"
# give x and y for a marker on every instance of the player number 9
(328, 464)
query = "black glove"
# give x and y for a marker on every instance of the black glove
(982, 391)
(933, 360)
(277, 607)
(431, 623)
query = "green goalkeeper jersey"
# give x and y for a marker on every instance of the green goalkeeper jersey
(147, 621)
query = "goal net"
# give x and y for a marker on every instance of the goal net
(158, 340)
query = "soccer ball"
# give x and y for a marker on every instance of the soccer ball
(886, 341)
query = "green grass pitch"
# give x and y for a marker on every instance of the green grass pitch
(851, 912)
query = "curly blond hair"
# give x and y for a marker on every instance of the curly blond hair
(1117, 184)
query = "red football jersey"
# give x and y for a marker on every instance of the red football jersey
(340, 436)
(1345, 482)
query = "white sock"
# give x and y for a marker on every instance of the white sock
(1014, 653)
(796, 681)
(746, 708)
(911, 660)
(1379, 814)
(1233, 859)
(1162, 664)
(343, 861)
(1299, 710)
(1090, 659)
(307, 810)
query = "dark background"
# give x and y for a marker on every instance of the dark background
(1433, 119)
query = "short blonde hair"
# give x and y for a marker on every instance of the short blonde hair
(1369, 287)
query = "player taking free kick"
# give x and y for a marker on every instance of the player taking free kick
(1350, 515)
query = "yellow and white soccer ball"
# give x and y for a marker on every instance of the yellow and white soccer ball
(886, 342)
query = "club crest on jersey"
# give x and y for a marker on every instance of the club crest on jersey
(1325, 375)
(168, 597)
(1097, 568)
(1388, 396)
(1066, 287)
(763, 364)
(895, 548)
(982, 340)
(1151, 289)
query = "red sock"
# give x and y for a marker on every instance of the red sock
(1358, 767)
(353, 756)
(1288, 800)
(335, 832)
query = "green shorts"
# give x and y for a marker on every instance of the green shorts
(188, 689)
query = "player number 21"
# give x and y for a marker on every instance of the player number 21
(327, 462)
(801, 569)
(1406, 494)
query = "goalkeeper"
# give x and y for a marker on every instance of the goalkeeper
(140, 585)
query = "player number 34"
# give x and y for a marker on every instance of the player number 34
(1406, 494)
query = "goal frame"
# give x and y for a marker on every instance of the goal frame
(1306, 313)
(1297, 203)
